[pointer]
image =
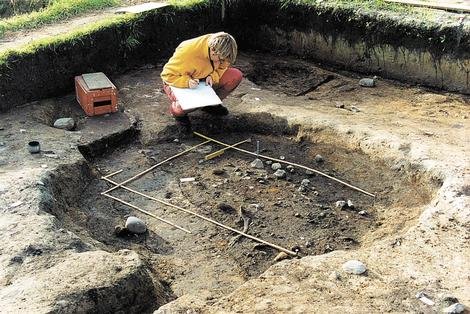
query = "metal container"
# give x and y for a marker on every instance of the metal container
(34, 147)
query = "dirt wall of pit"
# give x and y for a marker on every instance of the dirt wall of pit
(50, 70)
(371, 42)
(435, 54)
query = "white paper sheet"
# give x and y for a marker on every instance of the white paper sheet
(192, 98)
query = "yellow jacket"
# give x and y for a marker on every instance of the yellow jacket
(191, 60)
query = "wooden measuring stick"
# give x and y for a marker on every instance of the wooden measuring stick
(221, 151)
(289, 163)
(146, 212)
(112, 174)
(451, 7)
(277, 247)
(153, 167)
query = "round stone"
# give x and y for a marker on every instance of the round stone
(275, 166)
(64, 123)
(454, 308)
(135, 225)
(257, 163)
(354, 267)
(280, 173)
(319, 158)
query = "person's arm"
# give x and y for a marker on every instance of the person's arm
(178, 70)
(218, 72)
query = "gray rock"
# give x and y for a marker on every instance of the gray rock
(135, 225)
(305, 182)
(448, 300)
(309, 173)
(354, 267)
(275, 166)
(280, 173)
(257, 163)
(367, 82)
(319, 158)
(282, 157)
(341, 204)
(64, 123)
(290, 168)
(355, 109)
(350, 204)
(268, 162)
(454, 308)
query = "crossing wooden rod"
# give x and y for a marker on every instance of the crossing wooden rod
(277, 247)
(153, 167)
(285, 162)
(145, 212)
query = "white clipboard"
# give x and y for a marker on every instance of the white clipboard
(192, 98)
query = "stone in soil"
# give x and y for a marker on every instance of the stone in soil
(257, 163)
(305, 182)
(290, 168)
(135, 225)
(367, 82)
(281, 256)
(64, 123)
(280, 173)
(341, 204)
(454, 308)
(319, 158)
(268, 162)
(275, 166)
(354, 267)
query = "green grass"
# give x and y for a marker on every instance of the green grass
(71, 37)
(184, 3)
(57, 10)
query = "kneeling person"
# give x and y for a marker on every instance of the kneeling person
(208, 58)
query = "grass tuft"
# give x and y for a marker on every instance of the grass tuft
(57, 10)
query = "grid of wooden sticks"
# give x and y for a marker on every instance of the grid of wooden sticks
(117, 185)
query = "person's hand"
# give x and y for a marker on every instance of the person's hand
(209, 80)
(193, 83)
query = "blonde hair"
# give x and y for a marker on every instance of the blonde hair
(224, 45)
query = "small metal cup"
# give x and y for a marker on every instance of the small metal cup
(34, 147)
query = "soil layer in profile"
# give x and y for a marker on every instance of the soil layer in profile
(279, 210)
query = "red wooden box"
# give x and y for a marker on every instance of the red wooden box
(96, 94)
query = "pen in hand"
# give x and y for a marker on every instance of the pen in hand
(193, 83)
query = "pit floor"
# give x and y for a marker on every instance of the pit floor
(207, 262)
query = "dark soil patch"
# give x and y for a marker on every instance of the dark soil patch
(294, 79)
(307, 221)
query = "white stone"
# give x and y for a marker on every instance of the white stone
(354, 267)
(305, 182)
(275, 166)
(341, 204)
(257, 163)
(16, 204)
(64, 123)
(135, 225)
(367, 82)
(319, 158)
(454, 308)
(280, 173)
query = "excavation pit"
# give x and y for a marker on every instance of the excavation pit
(209, 262)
